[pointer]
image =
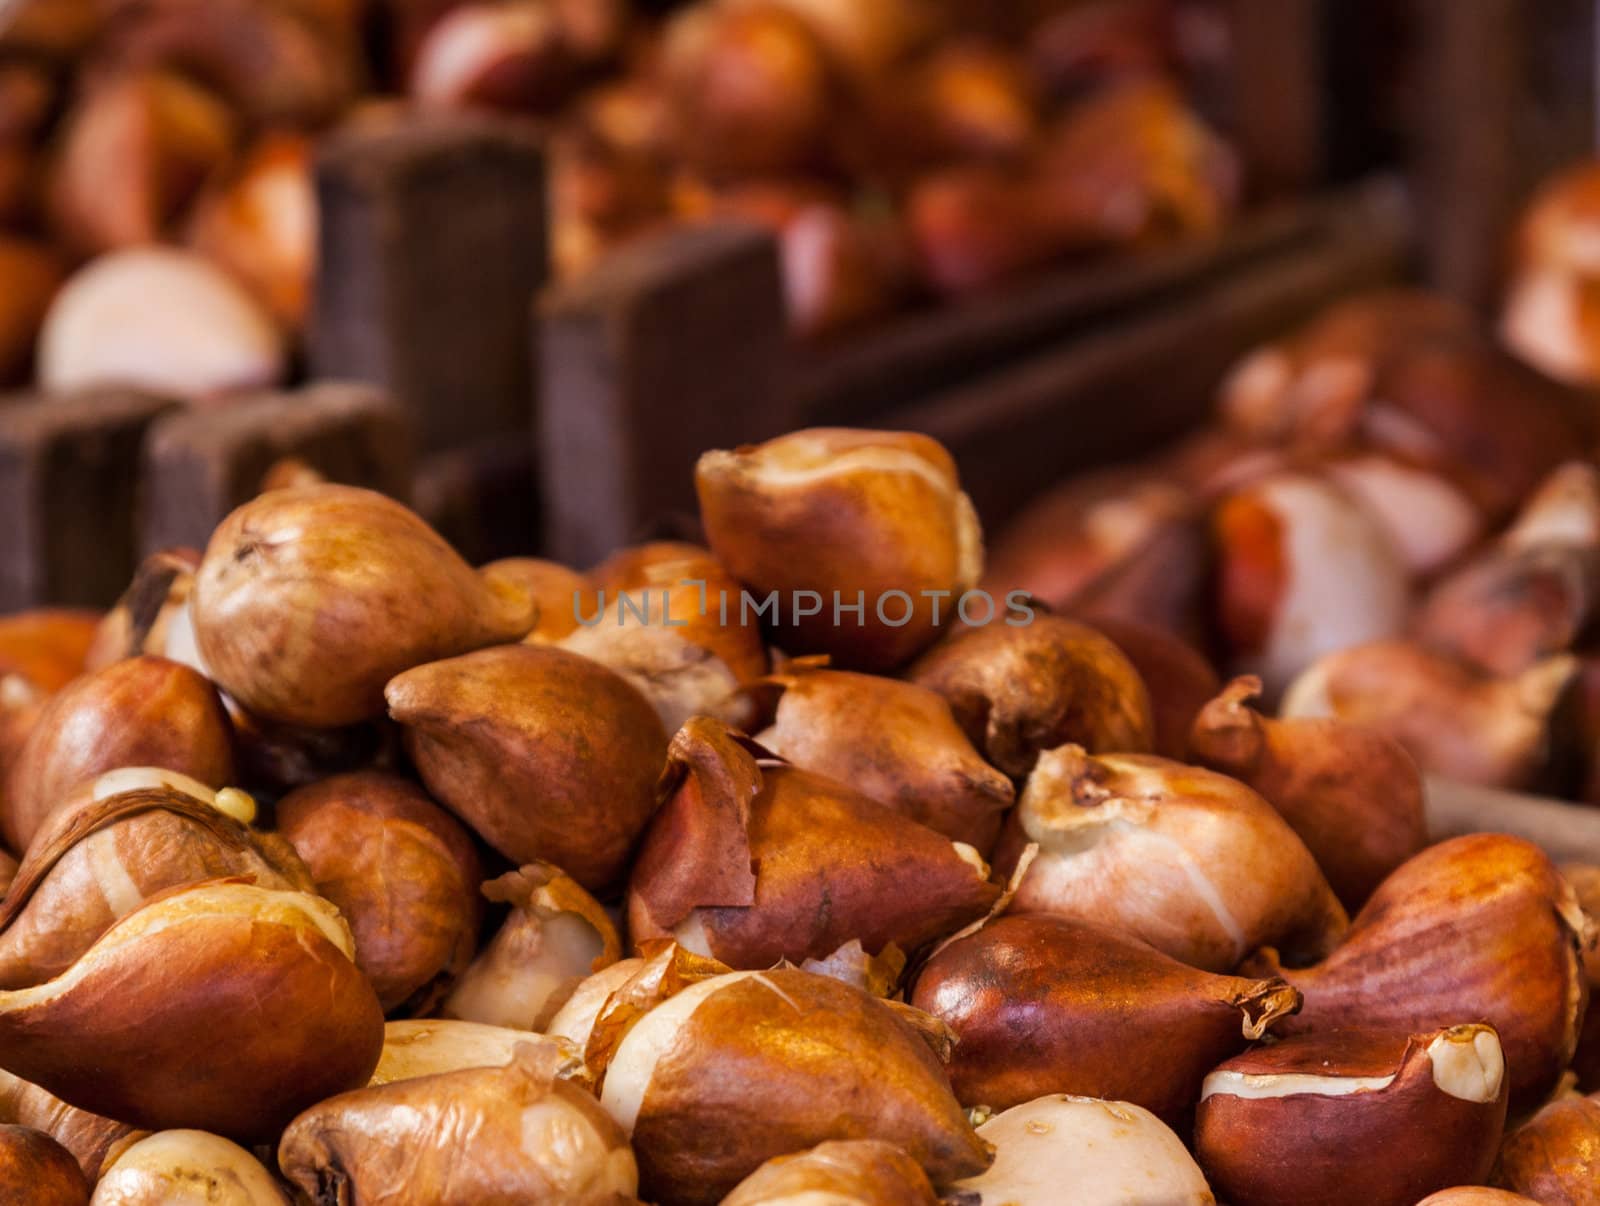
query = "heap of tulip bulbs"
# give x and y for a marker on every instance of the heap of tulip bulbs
(352, 874)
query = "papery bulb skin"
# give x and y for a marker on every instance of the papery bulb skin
(1554, 1156)
(857, 1172)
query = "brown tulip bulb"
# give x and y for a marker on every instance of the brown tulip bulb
(33, 273)
(1043, 1004)
(1481, 927)
(187, 1168)
(737, 1068)
(1352, 794)
(93, 864)
(1178, 677)
(534, 1138)
(145, 711)
(1429, 518)
(1548, 318)
(750, 861)
(495, 56)
(1585, 881)
(152, 615)
(845, 1172)
(556, 936)
(34, 1168)
(1475, 1195)
(575, 1020)
(562, 594)
(92, 1140)
(1192, 862)
(1456, 721)
(1310, 1119)
(967, 100)
(49, 646)
(830, 518)
(403, 872)
(221, 1005)
(1554, 1157)
(658, 622)
(1017, 691)
(310, 600)
(893, 741)
(493, 732)
(419, 1047)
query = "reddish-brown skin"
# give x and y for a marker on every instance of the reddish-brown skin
(895, 742)
(47, 647)
(1162, 584)
(1318, 1150)
(1353, 795)
(1586, 711)
(145, 711)
(1044, 1005)
(1179, 678)
(1019, 690)
(1251, 572)
(863, 1172)
(217, 1023)
(1475, 1195)
(90, 1138)
(404, 873)
(1585, 880)
(35, 1169)
(562, 593)
(547, 755)
(1554, 1157)
(1478, 927)
(140, 620)
(783, 864)
(756, 1075)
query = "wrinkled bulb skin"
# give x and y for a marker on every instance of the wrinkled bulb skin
(144, 711)
(187, 1168)
(1192, 862)
(1017, 691)
(34, 1168)
(534, 1138)
(310, 599)
(893, 741)
(817, 1060)
(1044, 1005)
(1481, 926)
(1312, 1119)
(750, 860)
(860, 1172)
(1585, 881)
(843, 513)
(1555, 1155)
(93, 1141)
(189, 997)
(545, 754)
(418, 1047)
(1352, 795)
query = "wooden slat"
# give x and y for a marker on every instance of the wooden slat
(1278, 94)
(1566, 832)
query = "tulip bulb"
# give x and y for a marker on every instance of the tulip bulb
(1353, 795)
(1104, 1015)
(1554, 1157)
(535, 1139)
(145, 711)
(1456, 722)
(750, 860)
(1482, 927)
(845, 1172)
(1310, 1119)
(93, 1141)
(403, 872)
(1429, 518)
(1585, 881)
(155, 603)
(192, 996)
(1111, 1153)
(309, 600)
(1018, 691)
(1192, 862)
(737, 1068)
(493, 730)
(428, 1046)
(1475, 1195)
(576, 1018)
(34, 1168)
(893, 741)
(48, 647)
(563, 594)
(1179, 678)
(556, 936)
(187, 1168)
(92, 866)
(853, 517)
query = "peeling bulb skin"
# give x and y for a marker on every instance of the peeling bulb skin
(893, 741)
(34, 1168)
(756, 861)
(496, 732)
(1352, 795)
(555, 937)
(187, 1168)
(1111, 1153)
(145, 711)
(402, 871)
(197, 992)
(534, 1138)
(301, 630)
(576, 1018)
(816, 1060)
(1190, 861)
(1455, 720)
(852, 1172)
(1554, 1157)
(1481, 927)
(1282, 1123)
(1019, 690)
(91, 1139)
(842, 513)
(1044, 1004)
(429, 1046)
